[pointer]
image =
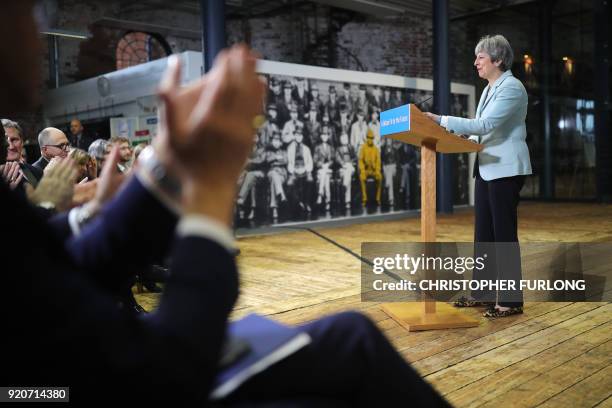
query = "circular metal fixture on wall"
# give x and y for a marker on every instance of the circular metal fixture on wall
(104, 86)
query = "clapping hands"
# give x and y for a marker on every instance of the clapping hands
(12, 174)
(57, 184)
(206, 131)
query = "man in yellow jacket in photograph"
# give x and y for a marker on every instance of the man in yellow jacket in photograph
(370, 167)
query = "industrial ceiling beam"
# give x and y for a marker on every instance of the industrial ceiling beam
(149, 28)
(377, 8)
(503, 6)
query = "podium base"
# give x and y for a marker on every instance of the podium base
(411, 315)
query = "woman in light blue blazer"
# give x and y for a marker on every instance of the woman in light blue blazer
(500, 172)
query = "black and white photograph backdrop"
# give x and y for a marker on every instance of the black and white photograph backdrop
(319, 153)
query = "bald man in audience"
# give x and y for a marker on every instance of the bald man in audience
(53, 143)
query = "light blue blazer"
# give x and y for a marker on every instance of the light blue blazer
(500, 126)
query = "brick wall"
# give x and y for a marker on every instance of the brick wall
(400, 45)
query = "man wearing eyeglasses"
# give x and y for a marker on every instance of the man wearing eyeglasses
(53, 143)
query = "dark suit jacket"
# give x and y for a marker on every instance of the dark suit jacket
(81, 142)
(32, 175)
(41, 163)
(62, 327)
(36, 172)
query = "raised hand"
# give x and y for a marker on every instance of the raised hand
(12, 174)
(57, 185)
(94, 194)
(84, 192)
(51, 165)
(110, 179)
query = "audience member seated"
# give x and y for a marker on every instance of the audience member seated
(82, 162)
(136, 152)
(54, 191)
(92, 167)
(78, 137)
(99, 150)
(15, 141)
(125, 152)
(53, 143)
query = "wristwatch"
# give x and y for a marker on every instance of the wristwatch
(158, 172)
(47, 205)
(84, 213)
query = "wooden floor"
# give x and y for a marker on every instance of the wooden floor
(554, 355)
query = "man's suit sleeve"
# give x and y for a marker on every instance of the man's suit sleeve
(506, 103)
(36, 172)
(133, 231)
(203, 287)
(60, 225)
(195, 307)
(171, 354)
(67, 330)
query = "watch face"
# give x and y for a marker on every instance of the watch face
(47, 205)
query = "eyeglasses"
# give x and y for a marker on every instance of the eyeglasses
(61, 146)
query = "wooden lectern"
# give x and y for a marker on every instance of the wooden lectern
(422, 131)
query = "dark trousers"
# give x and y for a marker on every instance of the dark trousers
(349, 363)
(496, 235)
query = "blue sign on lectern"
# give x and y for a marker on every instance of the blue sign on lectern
(395, 120)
